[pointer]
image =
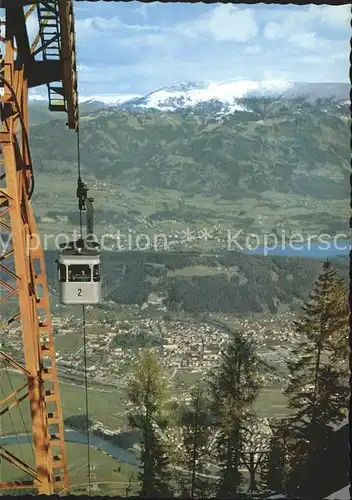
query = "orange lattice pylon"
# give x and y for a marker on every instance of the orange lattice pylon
(24, 285)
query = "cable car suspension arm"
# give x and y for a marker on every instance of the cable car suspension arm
(85, 204)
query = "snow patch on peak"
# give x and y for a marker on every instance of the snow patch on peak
(109, 99)
(183, 86)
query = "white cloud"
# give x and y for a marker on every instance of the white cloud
(304, 39)
(324, 51)
(309, 42)
(338, 16)
(274, 31)
(136, 42)
(141, 56)
(143, 8)
(223, 23)
(301, 21)
(86, 28)
(89, 27)
(252, 49)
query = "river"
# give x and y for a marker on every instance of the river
(73, 436)
(101, 444)
(313, 250)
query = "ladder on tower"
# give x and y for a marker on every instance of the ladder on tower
(50, 35)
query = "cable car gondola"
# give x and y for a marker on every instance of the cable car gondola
(79, 273)
(79, 262)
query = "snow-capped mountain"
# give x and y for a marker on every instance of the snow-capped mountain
(221, 98)
(186, 94)
(189, 94)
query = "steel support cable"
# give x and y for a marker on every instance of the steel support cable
(84, 327)
(86, 392)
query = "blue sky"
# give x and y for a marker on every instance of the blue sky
(137, 48)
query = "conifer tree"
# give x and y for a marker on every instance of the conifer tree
(149, 395)
(275, 467)
(197, 437)
(235, 386)
(318, 389)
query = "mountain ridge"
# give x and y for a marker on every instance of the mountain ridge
(280, 145)
(282, 164)
(225, 95)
